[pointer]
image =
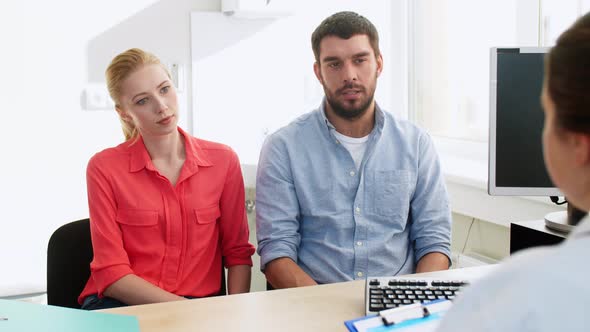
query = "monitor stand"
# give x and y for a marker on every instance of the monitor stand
(564, 221)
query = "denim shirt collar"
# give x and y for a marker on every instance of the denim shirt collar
(325, 123)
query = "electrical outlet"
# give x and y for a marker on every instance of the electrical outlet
(178, 76)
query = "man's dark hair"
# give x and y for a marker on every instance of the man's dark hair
(344, 25)
(568, 84)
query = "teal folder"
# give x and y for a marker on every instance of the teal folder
(23, 316)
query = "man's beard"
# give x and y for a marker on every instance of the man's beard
(345, 112)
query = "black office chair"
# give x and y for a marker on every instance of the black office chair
(69, 254)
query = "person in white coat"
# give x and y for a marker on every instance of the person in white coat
(547, 289)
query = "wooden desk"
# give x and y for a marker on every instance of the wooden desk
(316, 308)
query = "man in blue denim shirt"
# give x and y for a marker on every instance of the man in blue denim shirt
(347, 191)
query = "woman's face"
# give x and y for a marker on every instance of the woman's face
(559, 151)
(149, 100)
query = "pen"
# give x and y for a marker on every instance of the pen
(3, 318)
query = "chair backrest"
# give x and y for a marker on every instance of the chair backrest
(222, 290)
(69, 254)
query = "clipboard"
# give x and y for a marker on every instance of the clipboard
(24, 316)
(411, 318)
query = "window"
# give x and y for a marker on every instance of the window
(449, 69)
(449, 55)
(558, 15)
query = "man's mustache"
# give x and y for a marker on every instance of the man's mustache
(349, 86)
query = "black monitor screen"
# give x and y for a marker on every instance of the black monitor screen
(519, 121)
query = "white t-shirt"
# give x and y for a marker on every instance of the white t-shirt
(356, 146)
(540, 289)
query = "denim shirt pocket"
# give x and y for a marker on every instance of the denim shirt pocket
(392, 192)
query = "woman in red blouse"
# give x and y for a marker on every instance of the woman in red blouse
(166, 208)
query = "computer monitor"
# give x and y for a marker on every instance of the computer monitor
(516, 165)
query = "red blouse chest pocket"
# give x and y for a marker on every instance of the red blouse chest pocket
(139, 227)
(207, 215)
(205, 234)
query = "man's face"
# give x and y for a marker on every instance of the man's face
(348, 71)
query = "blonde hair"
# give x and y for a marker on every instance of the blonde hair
(118, 70)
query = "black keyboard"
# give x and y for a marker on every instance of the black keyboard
(386, 292)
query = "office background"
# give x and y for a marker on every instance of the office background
(56, 114)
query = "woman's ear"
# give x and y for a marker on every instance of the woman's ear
(581, 150)
(122, 113)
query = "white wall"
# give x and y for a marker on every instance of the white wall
(252, 77)
(51, 51)
(472, 235)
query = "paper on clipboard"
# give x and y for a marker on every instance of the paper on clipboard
(425, 324)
